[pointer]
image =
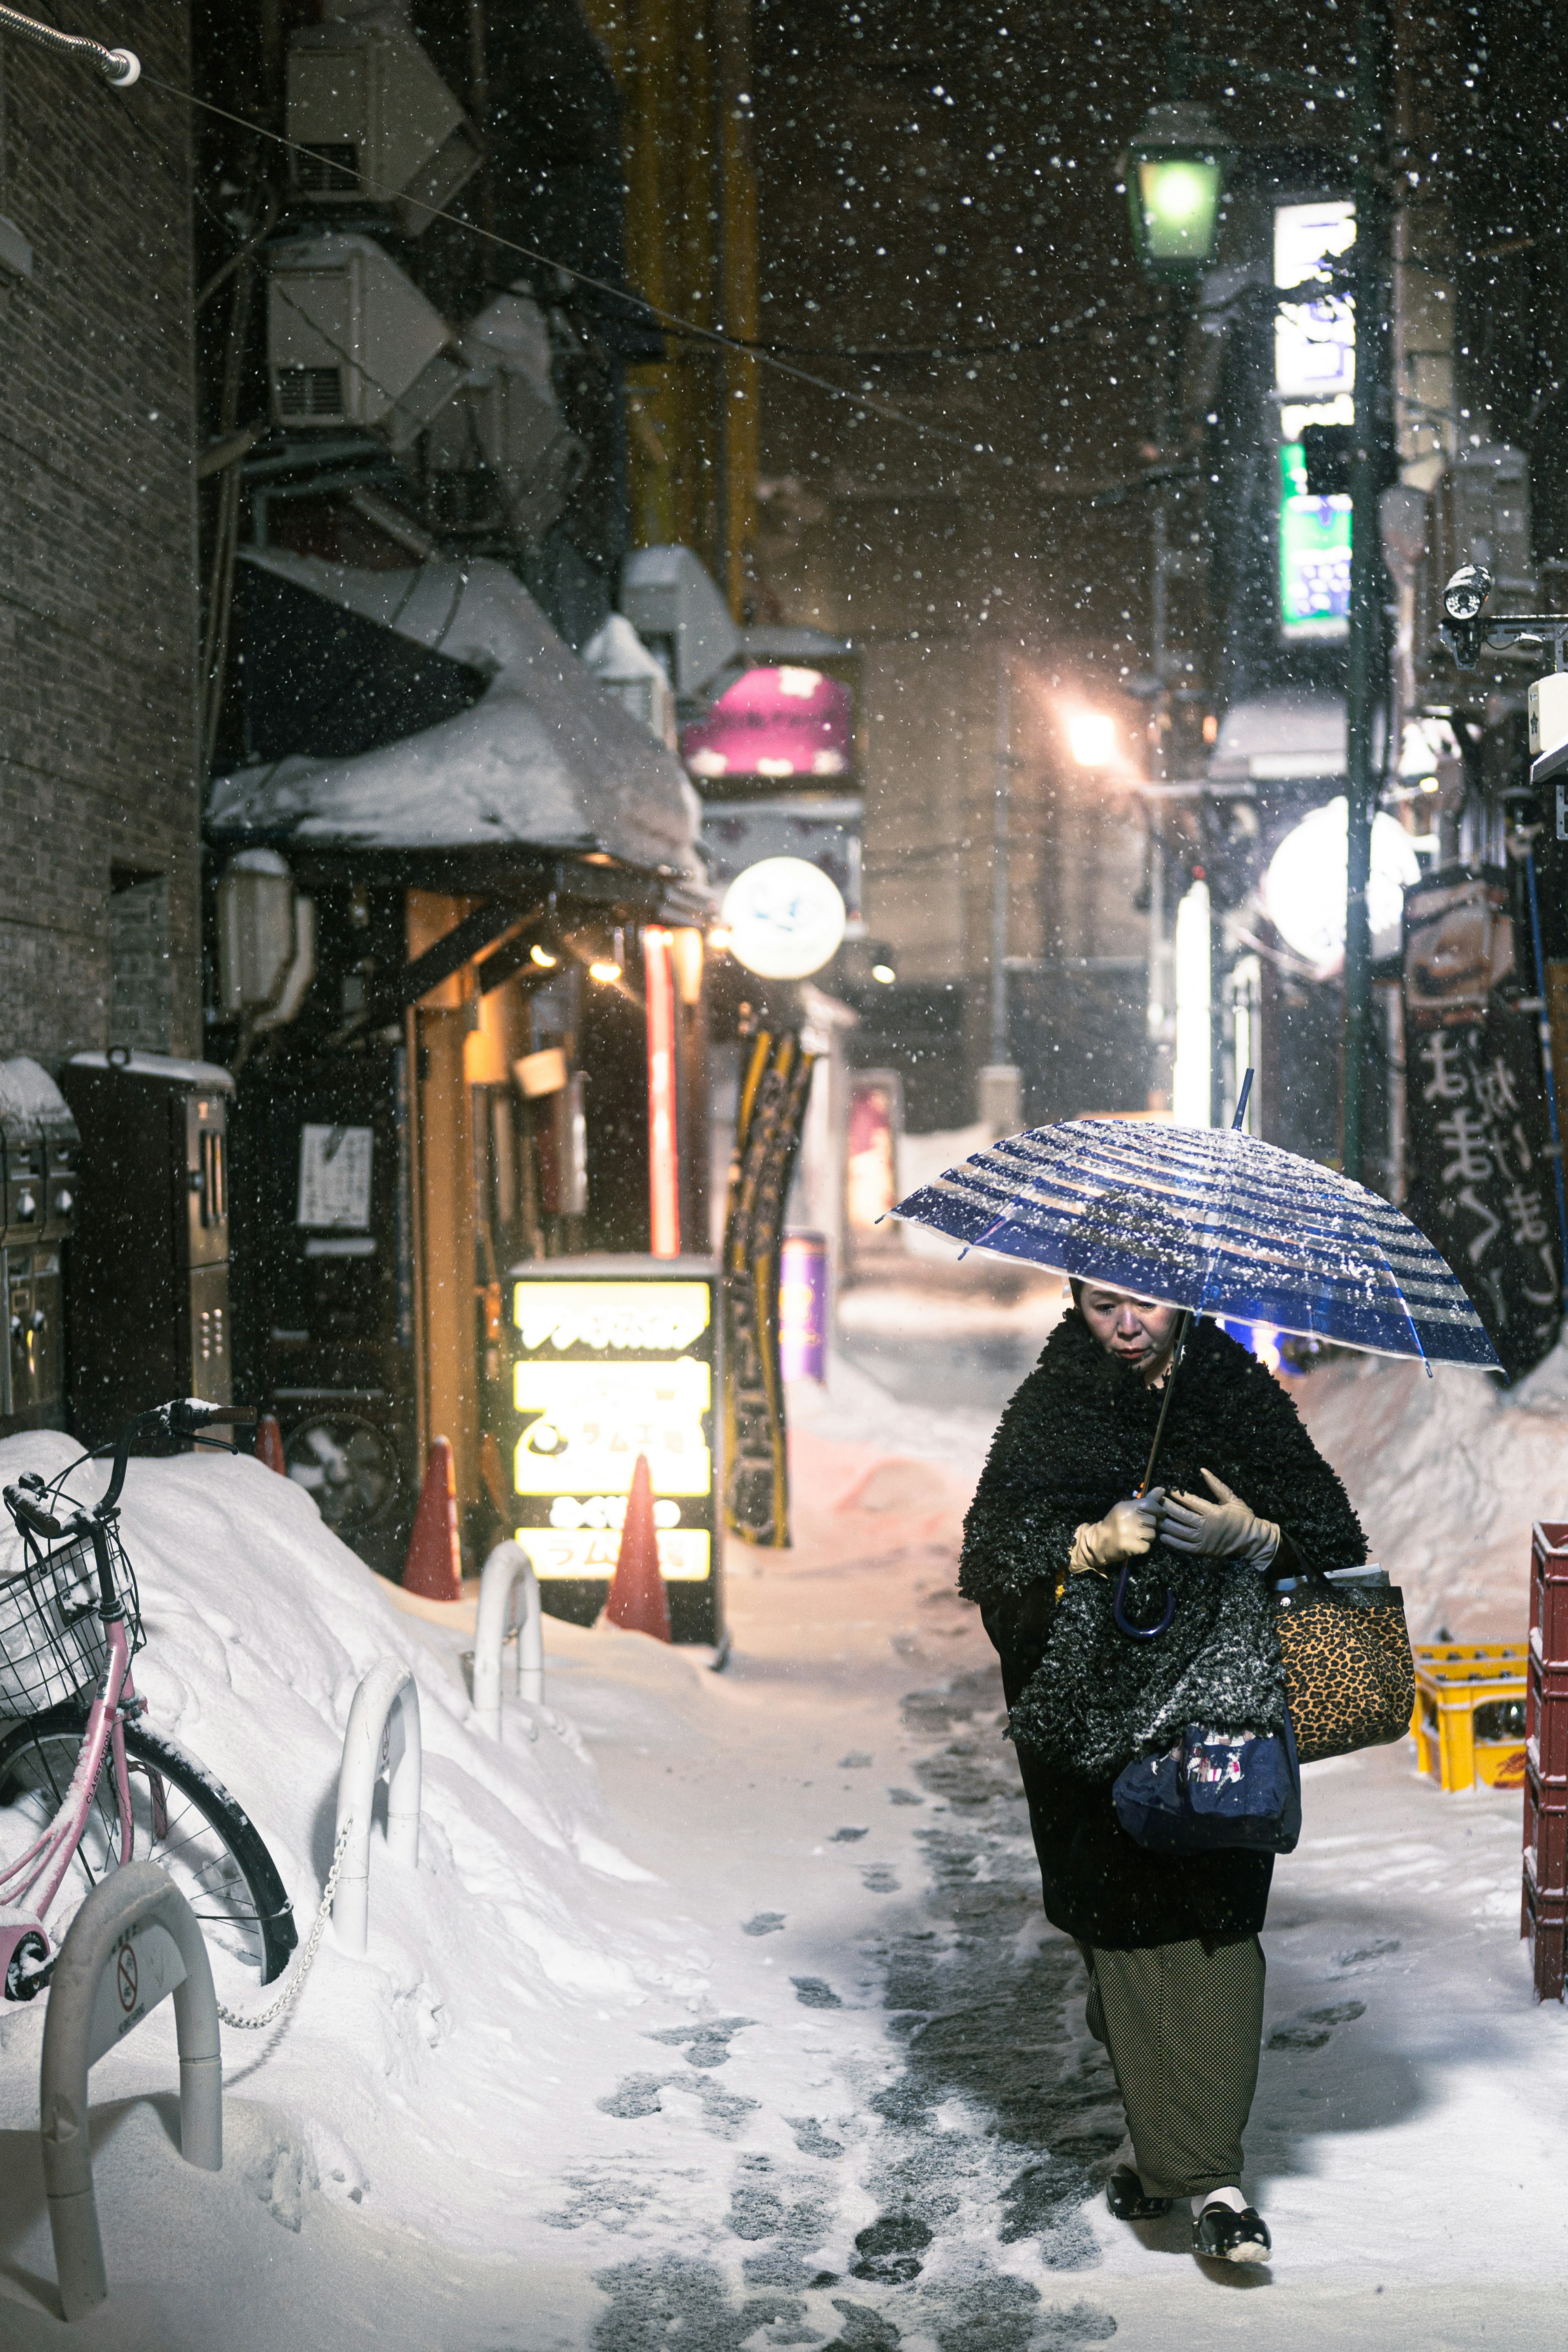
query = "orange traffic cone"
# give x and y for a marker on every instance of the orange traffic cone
(269, 1444)
(637, 1597)
(433, 1568)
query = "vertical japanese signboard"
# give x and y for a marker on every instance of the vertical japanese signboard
(1481, 1184)
(614, 1357)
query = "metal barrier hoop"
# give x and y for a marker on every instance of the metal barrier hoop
(112, 1923)
(507, 1566)
(382, 1742)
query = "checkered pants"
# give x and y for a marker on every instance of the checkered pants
(1183, 2027)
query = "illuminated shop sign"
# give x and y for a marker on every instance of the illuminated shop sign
(607, 1368)
(1314, 554)
(775, 722)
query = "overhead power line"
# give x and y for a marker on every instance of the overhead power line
(670, 319)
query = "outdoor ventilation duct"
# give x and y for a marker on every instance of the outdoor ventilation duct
(351, 339)
(507, 416)
(679, 613)
(377, 121)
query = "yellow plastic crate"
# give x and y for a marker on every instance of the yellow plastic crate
(1468, 1722)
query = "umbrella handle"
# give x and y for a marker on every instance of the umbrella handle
(1125, 1623)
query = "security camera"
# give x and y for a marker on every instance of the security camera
(1466, 592)
(1464, 601)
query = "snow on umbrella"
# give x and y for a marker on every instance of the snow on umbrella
(1215, 1221)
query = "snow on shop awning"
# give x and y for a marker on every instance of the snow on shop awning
(1291, 735)
(547, 757)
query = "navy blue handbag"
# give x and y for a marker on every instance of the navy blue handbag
(1215, 1791)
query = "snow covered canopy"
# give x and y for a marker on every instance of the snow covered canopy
(546, 758)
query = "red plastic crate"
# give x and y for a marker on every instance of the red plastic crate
(1545, 1833)
(1546, 1719)
(1548, 1589)
(1545, 1922)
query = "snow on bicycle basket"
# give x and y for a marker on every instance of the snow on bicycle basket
(52, 1641)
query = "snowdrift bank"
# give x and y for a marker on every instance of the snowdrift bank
(1449, 1475)
(502, 1975)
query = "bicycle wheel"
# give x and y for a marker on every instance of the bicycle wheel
(181, 1818)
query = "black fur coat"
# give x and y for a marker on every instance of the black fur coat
(1074, 1440)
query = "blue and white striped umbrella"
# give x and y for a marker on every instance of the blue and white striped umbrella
(1215, 1221)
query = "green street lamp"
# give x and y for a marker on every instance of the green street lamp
(1176, 187)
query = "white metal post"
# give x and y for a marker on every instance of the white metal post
(381, 1743)
(137, 1926)
(507, 1566)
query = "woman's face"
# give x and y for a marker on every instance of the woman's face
(1134, 1330)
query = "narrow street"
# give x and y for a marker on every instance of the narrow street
(787, 2055)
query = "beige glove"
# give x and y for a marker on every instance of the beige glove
(1126, 1532)
(1226, 1528)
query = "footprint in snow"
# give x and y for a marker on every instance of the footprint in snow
(815, 1992)
(879, 1881)
(1378, 1951)
(1315, 2026)
(811, 2138)
(855, 1760)
(848, 1836)
(764, 1923)
(904, 1797)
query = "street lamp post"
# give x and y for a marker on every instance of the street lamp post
(1174, 171)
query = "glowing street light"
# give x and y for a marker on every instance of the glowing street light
(1091, 737)
(1176, 181)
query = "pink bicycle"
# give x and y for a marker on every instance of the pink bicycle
(71, 1624)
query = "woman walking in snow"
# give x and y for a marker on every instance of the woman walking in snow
(1175, 1969)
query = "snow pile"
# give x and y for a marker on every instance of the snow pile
(508, 1965)
(1449, 1475)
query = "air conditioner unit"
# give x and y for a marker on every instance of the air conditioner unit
(677, 611)
(376, 120)
(507, 419)
(351, 339)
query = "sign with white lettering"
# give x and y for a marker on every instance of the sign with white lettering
(607, 1367)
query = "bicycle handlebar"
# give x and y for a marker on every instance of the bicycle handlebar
(28, 1515)
(180, 1417)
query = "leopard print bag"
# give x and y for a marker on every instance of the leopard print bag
(1350, 1679)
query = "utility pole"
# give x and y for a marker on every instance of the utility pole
(1001, 1093)
(1368, 653)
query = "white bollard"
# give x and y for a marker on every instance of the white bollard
(381, 1743)
(507, 1566)
(134, 1939)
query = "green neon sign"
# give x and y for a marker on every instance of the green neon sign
(1314, 554)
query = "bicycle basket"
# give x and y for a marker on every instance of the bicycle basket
(52, 1641)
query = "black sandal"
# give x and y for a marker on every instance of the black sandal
(1222, 2235)
(1128, 2198)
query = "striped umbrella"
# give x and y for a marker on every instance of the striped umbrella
(1215, 1221)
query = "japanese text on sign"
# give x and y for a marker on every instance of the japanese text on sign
(335, 1177)
(589, 1422)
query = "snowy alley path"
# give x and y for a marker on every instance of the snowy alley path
(874, 2118)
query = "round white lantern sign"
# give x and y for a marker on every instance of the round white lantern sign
(785, 918)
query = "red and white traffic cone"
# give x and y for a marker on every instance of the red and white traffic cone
(269, 1444)
(637, 1597)
(434, 1568)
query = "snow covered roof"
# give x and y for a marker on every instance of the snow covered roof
(547, 758)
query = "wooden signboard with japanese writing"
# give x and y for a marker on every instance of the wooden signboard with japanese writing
(1481, 1180)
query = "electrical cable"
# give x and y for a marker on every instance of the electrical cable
(669, 321)
(118, 68)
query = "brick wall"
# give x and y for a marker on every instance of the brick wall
(97, 588)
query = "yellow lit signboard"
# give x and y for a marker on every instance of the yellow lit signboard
(606, 1366)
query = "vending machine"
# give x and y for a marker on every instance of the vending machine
(149, 1280)
(38, 1188)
